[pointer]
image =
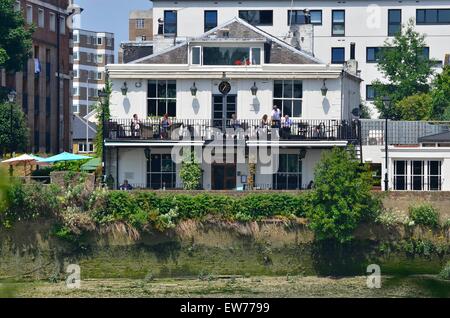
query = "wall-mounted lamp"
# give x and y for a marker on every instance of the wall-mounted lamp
(148, 153)
(254, 89)
(194, 90)
(324, 89)
(124, 89)
(302, 154)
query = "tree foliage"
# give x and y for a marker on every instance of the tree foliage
(15, 38)
(191, 172)
(406, 68)
(441, 95)
(342, 196)
(19, 131)
(102, 108)
(416, 107)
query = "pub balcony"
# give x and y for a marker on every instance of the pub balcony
(213, 129)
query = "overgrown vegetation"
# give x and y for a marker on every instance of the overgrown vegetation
(342, 196)
(103, 113)
(425, 215)
(76, 209)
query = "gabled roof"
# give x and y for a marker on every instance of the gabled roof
(239, 29)
(79, 128)
(441, 137)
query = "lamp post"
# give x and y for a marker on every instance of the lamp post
(11, 98)
(386, 102)
(102, 96)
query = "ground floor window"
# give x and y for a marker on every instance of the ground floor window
(417, 175)
(161, 172)
(83, 147)
(289, 175)
(400, 173)
(434, 175)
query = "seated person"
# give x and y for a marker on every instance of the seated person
(166, 123)
(264, 123)
(126, 186)
(286, 126)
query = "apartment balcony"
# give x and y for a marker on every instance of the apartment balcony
(123, 130)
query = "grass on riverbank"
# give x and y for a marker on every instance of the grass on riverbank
(284, 287)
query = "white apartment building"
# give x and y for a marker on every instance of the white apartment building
(343, 30)
(92, 51)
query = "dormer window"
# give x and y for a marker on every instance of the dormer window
(225, 55)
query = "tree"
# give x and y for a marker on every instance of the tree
(19, 129)
(342, 196)
(102, 108)
(15, 38)
(416, 107)
(191, 172)
(406, 67)
(441, 95)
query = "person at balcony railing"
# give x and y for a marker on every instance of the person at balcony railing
(166, 123)
(286, 127)
(276, 117)
(136, 126)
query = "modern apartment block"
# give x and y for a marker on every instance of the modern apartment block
(92, 51)
(342, 30)
(45, 100)
(140, 40)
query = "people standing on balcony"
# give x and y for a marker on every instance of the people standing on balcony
(136, 126)
(276, 117)
(286, 127)
(166, 123)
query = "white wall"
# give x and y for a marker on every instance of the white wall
(365, 26)
(315, 106)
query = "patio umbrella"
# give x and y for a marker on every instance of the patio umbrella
(65, 156)
(24, 160)
(91, 165)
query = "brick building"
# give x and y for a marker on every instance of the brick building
(46, 103)
(140, 40)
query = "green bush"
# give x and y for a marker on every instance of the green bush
(191, 172)
(29, 202)
(424, 214)
(140, 208)
(342, 197)
(445, 273)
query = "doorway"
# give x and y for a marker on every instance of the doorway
(224, 106)
(223, 176)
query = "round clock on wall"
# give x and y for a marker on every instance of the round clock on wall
(224, 87)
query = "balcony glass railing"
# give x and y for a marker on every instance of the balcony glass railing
(209, 129)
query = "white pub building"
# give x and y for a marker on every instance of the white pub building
(223, 85)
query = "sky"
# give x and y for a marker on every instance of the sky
(109, 16)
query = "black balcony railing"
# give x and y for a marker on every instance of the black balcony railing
(209, 129)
